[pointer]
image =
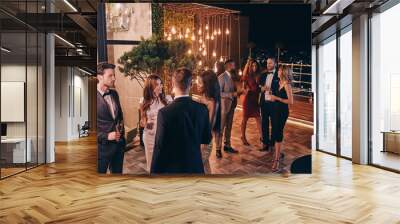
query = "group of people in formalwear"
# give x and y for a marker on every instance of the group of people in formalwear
(178, 130)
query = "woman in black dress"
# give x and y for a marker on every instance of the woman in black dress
(208, 87)
(282, 99)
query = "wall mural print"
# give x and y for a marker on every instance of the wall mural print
(189, 88)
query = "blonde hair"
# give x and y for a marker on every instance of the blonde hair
(286, 73)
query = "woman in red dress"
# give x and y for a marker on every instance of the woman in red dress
(251, 108)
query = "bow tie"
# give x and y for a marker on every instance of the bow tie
(107, 93)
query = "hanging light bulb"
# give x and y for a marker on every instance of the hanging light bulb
(207, 36)
(199, 31)
(180, 36)
(200, 63)
(227, 31)
(169, 38)
(173, 30)
(200, 49)
(204, 45)
(204, 52)
(215, 32)
(193, 37)
(219, 31)
(189, 51)
(214, 54)
(221, 59)
(240, 72)
(187, 30)
(186, 35)
(200, 41)
(212, 37)
(207, 27)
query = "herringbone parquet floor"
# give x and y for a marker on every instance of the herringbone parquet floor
(70, 191)
(249, 160)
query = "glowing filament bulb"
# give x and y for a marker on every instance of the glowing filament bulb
(227, 31)
(214, 54)
(207, 27)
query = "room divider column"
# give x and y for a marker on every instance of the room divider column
(360, 89)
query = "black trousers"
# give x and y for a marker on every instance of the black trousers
(266, 119)
(110, 156)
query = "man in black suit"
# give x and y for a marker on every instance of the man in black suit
(182, 127)
(110, 125)
(269, 83)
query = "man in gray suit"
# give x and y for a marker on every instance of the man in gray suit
(228, 104)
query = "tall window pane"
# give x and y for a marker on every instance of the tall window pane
(327, 95)
(346, 93)
(385, 84)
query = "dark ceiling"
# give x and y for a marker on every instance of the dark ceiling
(73, 20)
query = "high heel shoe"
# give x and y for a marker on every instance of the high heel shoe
(275, 166)
(244, 141)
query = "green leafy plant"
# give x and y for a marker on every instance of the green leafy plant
(156, 56)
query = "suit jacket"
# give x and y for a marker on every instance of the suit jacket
(105, 121)
(181, 127)
(274, 85)
(227, 86)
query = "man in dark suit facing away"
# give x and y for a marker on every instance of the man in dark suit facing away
(182, 127)
(110, 126)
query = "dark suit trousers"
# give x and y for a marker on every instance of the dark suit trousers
(110, 155)
(266, 120)
(226, 123)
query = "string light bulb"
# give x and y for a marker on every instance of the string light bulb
(173, 30)
(200, 63)
(219, 31)
(189, 51)
(214, 54)
(227, 31)
(193, 37)
(207, 27)
(199, 31)
(204, 52)
(212, 37)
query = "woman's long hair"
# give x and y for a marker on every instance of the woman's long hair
(211, 90)
(148, 93)
(251, 72)
(286, 73)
